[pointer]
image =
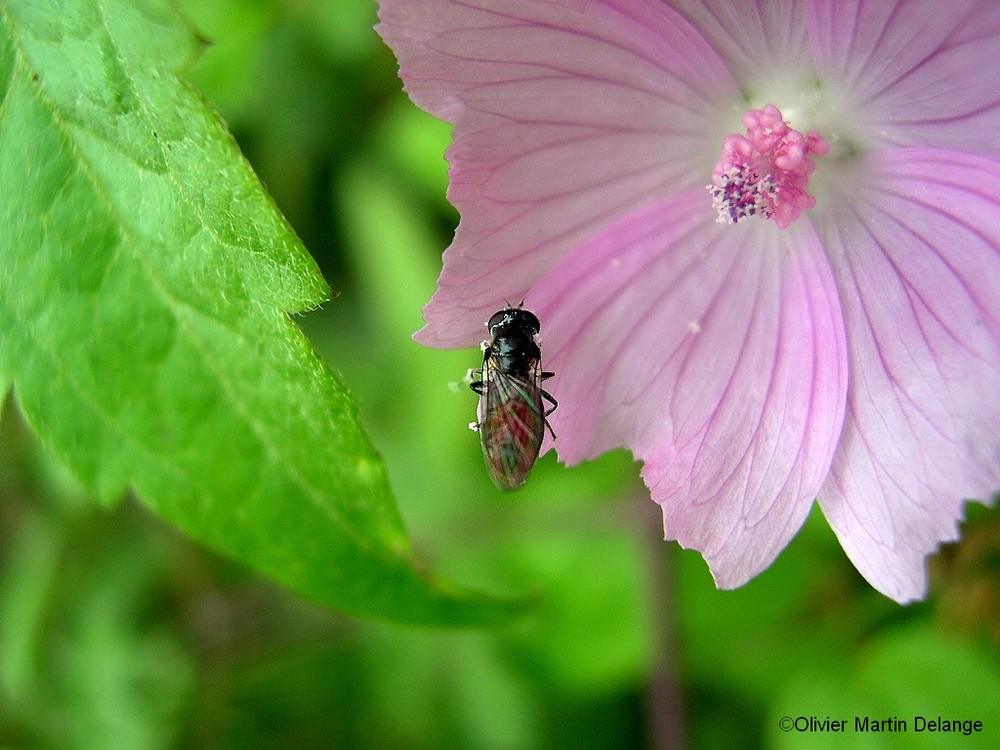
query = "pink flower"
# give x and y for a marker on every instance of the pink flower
(838, 343)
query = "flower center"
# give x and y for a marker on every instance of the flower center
(766, 172)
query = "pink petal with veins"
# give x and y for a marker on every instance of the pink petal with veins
(567, 117)
(716, 354)
(919, 72)
(917, 258)
(756, 38)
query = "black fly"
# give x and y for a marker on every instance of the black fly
(512, 414)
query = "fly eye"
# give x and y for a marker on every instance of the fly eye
(514, 319)
(497, 319)
(529, 320)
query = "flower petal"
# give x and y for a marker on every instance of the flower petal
(716, 354)
(567, 116)
(756, 38)
(917, 70)
(919, 274)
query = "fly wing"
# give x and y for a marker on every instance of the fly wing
(511, 423)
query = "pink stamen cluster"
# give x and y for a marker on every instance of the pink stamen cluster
(766, 172)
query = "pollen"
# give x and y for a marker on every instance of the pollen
(765, 173)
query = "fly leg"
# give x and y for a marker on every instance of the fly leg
(548, 397)
(475, 380)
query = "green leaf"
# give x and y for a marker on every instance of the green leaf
(145, 285)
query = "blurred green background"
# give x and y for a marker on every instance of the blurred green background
(117, 633)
